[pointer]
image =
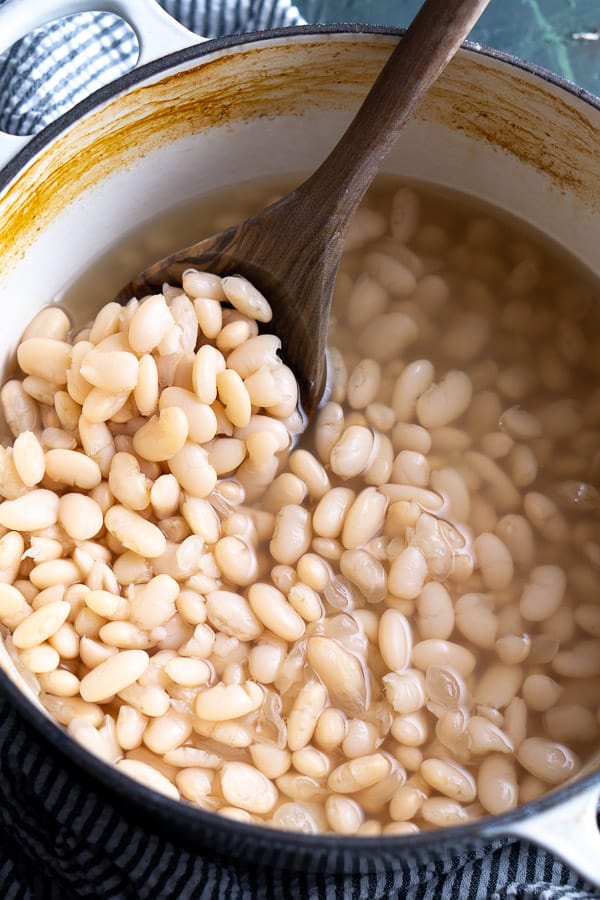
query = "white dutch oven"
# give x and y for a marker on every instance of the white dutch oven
(211, 114)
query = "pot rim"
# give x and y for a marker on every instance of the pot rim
(206, 47)
(94, 769)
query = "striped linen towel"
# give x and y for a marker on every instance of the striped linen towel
(54, 67)
(59, 840)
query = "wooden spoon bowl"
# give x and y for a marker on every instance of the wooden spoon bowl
(291, 250)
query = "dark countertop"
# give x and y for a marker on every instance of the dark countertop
(561, 35)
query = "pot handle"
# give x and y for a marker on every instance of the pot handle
(570, 831)
(157, 32)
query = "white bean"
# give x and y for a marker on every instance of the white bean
(363, 384)
(476, 620)
(34, 511)
(445, 402)
(341, 672)
(245, 787)
(443, 812)
(45, 358)
(407, 574)
(16, 594)
(498, 685)
(434, 652)
(495, 561)
(72, 468)
(228, 701)
(582, 661)
(395, 640)
(246, 298)
(304, 714)
(405, 691)
(364, 518)
(149, 324)
(359, 773)
(413, 381)
(540, 692)
(351, 452)
(111, 371)
(80, 516)
(149, 776)
(231, 614)
(449, 779)
(113, 675)
(571, 722)
(275, 612)
(134, 532)
(551, 762)
(40, 625)
(435, 612)
(292, 534)
(202, 421)
(193, 472)
(543, 593)
(497, 784)
(28, 458)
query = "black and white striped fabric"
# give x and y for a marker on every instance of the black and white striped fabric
(54, 67)
(60, 841)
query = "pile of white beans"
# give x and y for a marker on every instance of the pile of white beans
(386, 624)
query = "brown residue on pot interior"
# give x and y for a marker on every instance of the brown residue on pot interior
(524, 117)
(483, 99)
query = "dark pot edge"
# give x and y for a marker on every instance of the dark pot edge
(191, 824)
(134, 795)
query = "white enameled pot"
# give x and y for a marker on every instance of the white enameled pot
(211, 114)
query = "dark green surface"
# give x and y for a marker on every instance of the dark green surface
(561, 35)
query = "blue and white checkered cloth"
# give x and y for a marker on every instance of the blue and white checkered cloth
(54, 67)
(58, 839)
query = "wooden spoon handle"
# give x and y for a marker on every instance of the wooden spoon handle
(432, 39)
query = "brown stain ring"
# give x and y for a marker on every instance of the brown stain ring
(481, 98)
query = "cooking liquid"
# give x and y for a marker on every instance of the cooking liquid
(496, 300)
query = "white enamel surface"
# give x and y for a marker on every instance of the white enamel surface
(157, 32)
(570, 831)
(10, 144)
(208, 159)
(294, 138)
(428, 150)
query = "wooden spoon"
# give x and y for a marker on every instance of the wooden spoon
(291, 250)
